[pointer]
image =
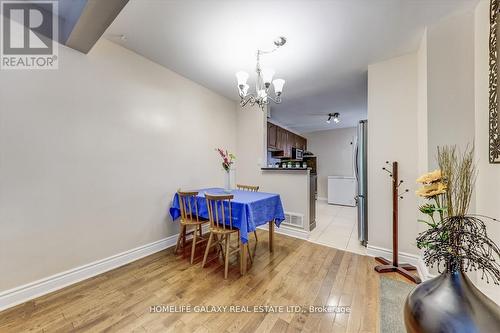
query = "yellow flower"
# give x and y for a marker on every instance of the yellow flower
(430, 177)
(432, 190)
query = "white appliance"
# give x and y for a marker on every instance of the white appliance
(342, 190)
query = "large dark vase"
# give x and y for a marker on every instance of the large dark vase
(450, 303)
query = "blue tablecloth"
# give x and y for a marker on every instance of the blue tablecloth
(249, 209)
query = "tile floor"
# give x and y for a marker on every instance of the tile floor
(336, 226)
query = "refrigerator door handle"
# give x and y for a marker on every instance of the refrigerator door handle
(356, 163)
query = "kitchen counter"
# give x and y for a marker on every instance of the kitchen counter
(284, 169)
(306, 219)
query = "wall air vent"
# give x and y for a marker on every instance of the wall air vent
(294, 220)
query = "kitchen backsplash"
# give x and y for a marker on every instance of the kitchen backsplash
(271, 160)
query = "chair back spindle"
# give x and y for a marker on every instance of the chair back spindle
(251, 188)
(189, 205)
(217, 205)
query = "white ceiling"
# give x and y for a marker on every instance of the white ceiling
(324, 63)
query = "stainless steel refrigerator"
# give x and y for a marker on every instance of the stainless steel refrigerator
(361, 171)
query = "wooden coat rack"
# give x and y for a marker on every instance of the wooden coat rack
(395, 266)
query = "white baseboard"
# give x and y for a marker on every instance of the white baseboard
(288, 231)
(376, 251)
(413, 259)
(21, 294)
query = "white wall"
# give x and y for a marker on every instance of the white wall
(450, 83)
(451, 108)
(488, 181)
(392, 136)
(422, 118)
(334, 149)
(293, 186)
(92, 153)
(445, 91)
(422, 121)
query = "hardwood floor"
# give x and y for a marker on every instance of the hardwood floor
(297, 273)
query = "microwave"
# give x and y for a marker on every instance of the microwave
(297, 154)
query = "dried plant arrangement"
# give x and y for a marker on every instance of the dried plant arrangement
(455, 239)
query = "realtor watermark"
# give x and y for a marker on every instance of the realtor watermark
(28, 31)
(162, 308)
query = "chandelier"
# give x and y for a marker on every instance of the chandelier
(262, 95)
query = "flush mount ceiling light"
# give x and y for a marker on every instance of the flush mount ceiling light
(261, 96)
(335, 117)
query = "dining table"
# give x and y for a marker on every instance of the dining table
(249, 210)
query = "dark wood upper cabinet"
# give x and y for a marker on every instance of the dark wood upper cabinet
(272, 136)
(297, 142)
(292, 141)
(281, 141)
(288, 144)
(301, 143)
(281, 138)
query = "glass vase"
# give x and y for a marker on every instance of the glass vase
(228, 180)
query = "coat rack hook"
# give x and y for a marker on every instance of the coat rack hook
(385, 169)
(402, 194)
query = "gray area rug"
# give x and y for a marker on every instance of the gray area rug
(392, 299)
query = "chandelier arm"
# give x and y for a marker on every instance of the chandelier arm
(279, 42)
(267, 51)
(276, 100)
(249, 99)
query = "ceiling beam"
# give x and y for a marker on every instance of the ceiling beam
(96, 17)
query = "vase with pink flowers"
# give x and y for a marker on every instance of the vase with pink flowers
(227, 164)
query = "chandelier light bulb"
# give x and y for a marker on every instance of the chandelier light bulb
(267, 76)
(278, 86)
(336, 116)
(242, 78)
(244, 89)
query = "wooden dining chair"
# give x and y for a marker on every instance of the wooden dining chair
(221, 227)
(251, 188)
(189, 219)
